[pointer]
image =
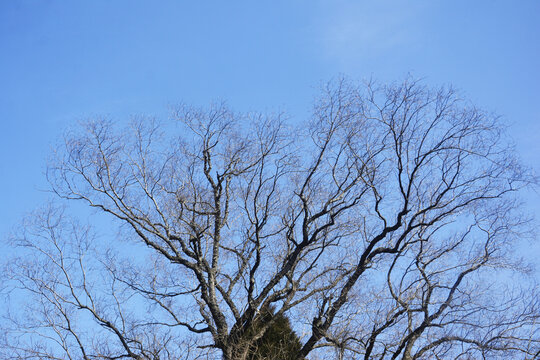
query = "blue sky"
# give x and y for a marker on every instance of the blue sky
(63, 61)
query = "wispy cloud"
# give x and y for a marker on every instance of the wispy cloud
(350, 29)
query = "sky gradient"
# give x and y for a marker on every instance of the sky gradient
(65, 61)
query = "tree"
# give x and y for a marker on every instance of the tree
(384, 227)
(278, 342)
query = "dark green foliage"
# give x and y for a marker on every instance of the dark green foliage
(279, 340)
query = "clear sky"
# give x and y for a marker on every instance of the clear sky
(63, 61)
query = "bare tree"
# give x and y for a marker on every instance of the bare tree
(384, 227)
